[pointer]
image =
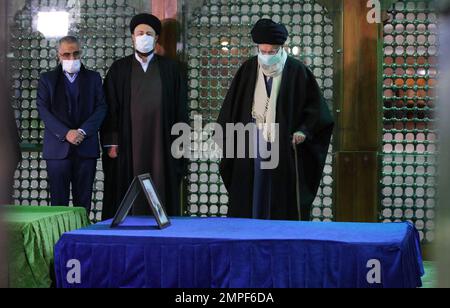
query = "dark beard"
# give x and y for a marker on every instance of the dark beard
(145, 54)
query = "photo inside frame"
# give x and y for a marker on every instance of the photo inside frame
(142, 184)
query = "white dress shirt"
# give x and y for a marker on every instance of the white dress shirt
(144, 64)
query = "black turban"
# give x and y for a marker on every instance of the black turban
(266, 31)
(146, 19)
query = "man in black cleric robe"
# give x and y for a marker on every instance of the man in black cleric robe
(147, 95)
(305, 122)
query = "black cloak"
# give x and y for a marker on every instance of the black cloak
(117, 131)
(300, 107)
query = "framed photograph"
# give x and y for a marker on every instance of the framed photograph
(155, 202)
(127, 203)
(142, 184)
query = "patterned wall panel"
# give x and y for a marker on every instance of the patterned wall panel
(409, 136)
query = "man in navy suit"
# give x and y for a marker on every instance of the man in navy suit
(72, 105)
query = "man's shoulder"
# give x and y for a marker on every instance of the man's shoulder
(165, 60)
(122, 62)
(298, 66)
(49, 74)
(168, 63)
(92, 74)
(250, 64)
(296, 63)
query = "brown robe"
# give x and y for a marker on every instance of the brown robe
(146, 126)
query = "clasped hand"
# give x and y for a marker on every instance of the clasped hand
(75, 137)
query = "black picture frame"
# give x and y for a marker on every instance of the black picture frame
(142, 184)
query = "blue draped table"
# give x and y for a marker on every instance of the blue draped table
(238, 253)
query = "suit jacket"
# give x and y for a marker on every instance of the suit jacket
(53, 107)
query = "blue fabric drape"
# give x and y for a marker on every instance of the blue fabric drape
(240, 253)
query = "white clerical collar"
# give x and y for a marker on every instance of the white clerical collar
(71, 78)
(144, 64)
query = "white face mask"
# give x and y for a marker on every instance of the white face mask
(71, 66)
(270, 60)
(145, 43)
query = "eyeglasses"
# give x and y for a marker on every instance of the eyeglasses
(271, 53)
(68, 55)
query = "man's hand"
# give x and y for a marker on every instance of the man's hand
(75, 137)
(113, 152)
(299, 138)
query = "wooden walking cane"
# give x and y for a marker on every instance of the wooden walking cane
(297, 183)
